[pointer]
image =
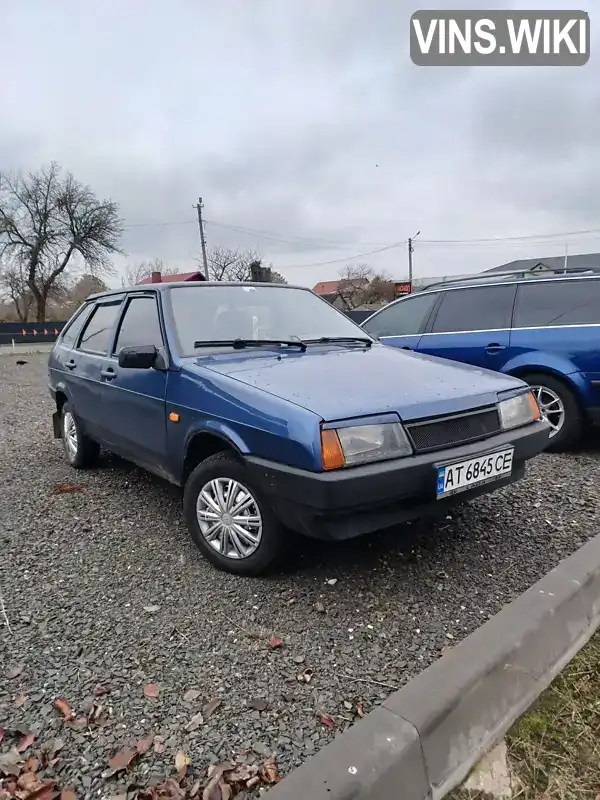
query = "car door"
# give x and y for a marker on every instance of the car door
(472, 325)
(401, 323)
(85, 365)
(134, 413)
(559, 320)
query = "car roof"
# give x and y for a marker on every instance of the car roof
(165, 287)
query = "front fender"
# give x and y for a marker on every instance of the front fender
(216, 428)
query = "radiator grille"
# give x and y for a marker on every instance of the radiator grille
(453, 431)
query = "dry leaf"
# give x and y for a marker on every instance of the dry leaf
(99, 690)
(67, 488)
(15, 671)
(68, 794)
(151, 690)
(2, 732)
(27, 781)
(32, 764)
(64, 708)
(195, 789)
(20, 701)
(11, 762)
(211, 706)
(326, 720)
(25, 742)
(274, 641)
(159, 746)
(47, 791)
(306, 676)
(122, 759)
(181, 763)
(195, 722)
(191, 695)
(143, 746)
(269, 771)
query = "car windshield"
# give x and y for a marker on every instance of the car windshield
(224, 313)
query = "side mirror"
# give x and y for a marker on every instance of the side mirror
(140, 357)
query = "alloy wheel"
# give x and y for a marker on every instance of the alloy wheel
(229, 518)
(70, 434)
(552, 408)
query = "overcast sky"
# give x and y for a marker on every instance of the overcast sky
(304, 120)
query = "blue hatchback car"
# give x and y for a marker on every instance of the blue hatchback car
(544, 330)
(278, 415)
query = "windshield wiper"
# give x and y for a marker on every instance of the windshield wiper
(240, 344)
(340, 339)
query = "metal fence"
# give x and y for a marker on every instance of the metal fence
(29, 332)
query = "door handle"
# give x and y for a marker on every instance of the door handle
(406, 347)
(108, 374)
(70, 364)
(494, 347)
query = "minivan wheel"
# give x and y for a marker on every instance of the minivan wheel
(559, 408)
(81, 452)
(229, 520)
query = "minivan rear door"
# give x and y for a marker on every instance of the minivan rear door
(472, 325)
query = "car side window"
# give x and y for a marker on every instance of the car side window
(71, 331)
(404, 318)
(481, 308)
(96, 337)
(140, 324)
(555, 303)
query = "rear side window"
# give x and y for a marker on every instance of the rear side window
(549, 304)
(72, 330)
(97, 333)
(406, 318)
(482, 308)
(140, 324)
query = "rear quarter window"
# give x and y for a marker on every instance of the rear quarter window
(70, 333)
(556, 303)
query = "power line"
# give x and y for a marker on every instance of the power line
(501, 239)
(312, 242)
(345, 258)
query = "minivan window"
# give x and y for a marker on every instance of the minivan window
(98, 331)
(482, 308)
(555, 303)
(140, 324)
(405, 318)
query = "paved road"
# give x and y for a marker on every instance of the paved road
(79, 569)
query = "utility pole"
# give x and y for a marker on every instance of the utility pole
(410, 261)
(202, 240)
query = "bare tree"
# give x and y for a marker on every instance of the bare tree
(135, 273)
(381, 290)
(229, 264)
(51, 225)
(354, 280)
(13, 283)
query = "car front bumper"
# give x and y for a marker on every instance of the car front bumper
(345, 503)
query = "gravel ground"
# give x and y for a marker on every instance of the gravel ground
(103, 587)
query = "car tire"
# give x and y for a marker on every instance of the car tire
(81, 451)
(227, 475)
(556, 398)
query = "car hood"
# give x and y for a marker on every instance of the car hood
(344, 382)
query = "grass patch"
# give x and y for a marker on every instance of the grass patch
(554, 750)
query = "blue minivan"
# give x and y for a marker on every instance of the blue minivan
(544, 330)
(277, 415)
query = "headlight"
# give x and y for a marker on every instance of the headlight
(519, 410)
(361, 444)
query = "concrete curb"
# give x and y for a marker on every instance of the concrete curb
(425, 738)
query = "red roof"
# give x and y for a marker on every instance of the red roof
(182, 276)
(326, 287)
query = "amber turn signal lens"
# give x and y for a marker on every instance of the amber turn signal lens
(535, 409)
(331, 450)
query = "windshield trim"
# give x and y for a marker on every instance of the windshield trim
(168, 312)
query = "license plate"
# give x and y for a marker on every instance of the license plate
(463, 475)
